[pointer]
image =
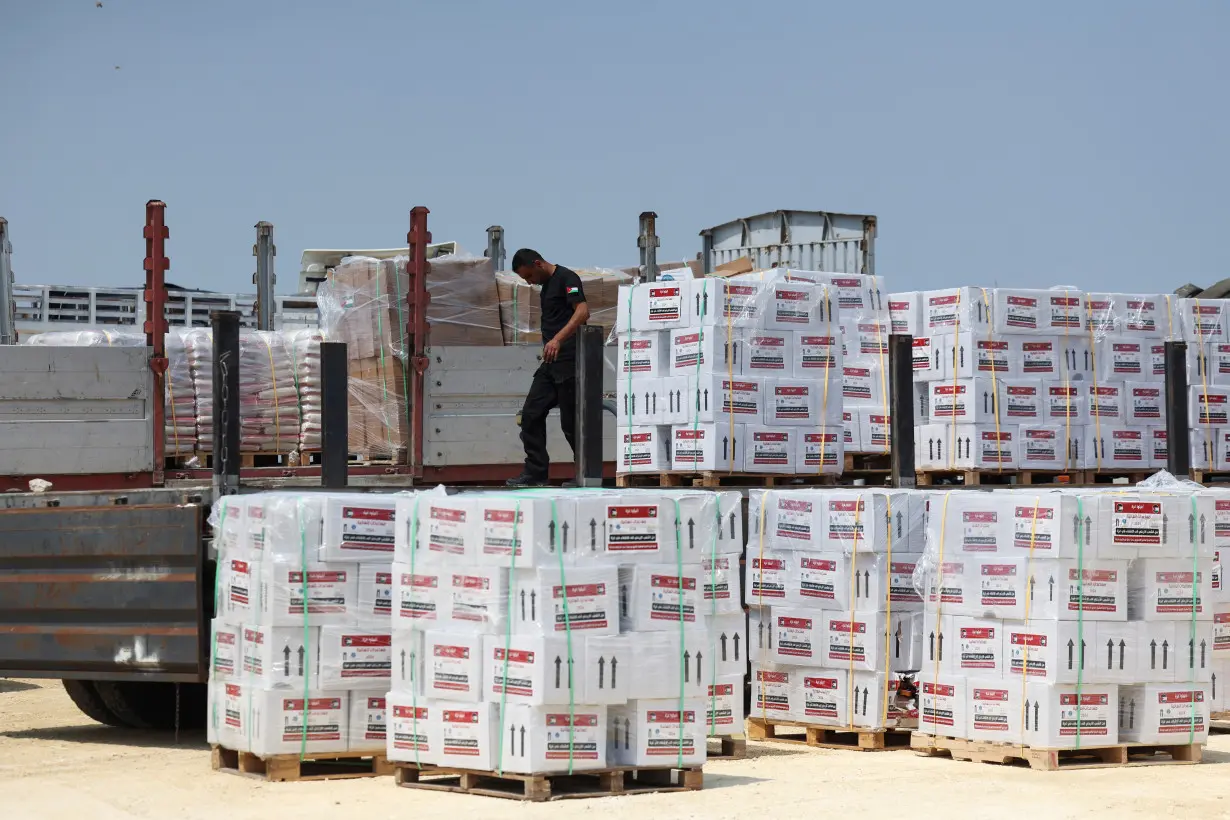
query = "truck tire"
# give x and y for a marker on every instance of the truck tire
(86, 698)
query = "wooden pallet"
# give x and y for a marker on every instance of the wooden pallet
(727, 747)
(1219, 722)
(828, 737)
(538, 788)
(718, 478)
(993, 478)
(1210, 477)
(1050, 760)
(313, 766)
(307, 458)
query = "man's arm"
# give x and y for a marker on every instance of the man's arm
(580, 315)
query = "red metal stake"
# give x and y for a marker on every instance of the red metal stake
(155, 296)
(416, 329)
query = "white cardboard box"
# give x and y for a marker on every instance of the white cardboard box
(352, 658)
(821, 452)
(1106, 402)
(276, 721)
(954, 309)
(645, 354)
(652, 306)
(724, 712)
(1021, 401)
(375, 596)
(447, 530)
(702, 351)
(874, 430)
(768, 578)
(967, 446)
(775, 692)
(942, 706)
(1051, 447)
(1161, 589)
(657, 733)
(1208, 407)
(466, 733)
(239, 584)
(661, 660)
(543, 739)
(925, 359)
(1066, 716)
(1049, 651)
(768, 353)
(725, 400)
(409, 738)
(976, 400)
(864, 384)
(610, 665)
(359, 527)
(656, 597)
(939, 642)
(225, 651)
(865, 340)
(539, 670)
(369, 723)
(971, 523)
(714, 302)
(905, 312)
(419, 598)
(1065, 589)
(1038, 357)
(1115, 447)
(800, 402)
(1066, 403)
(866, 641)
(639, 528)
(994, 709)
(331, 589)
(641, 401)
(768, 449)
(583, 600)
(798, 637)
(1123, 359)
(1203, 320)
(279, 657)
(707, 446)
(453, 666)
(407, 661)
(643, 449)
(791, 305)
(969, 354)
(1164, 713)
(1043, 312)
(979, 647)
(818, 354)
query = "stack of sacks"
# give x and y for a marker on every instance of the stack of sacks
(1058, 379)
(835, 620)
(179, 398)
(739, 374)
(288, 678)
(268, 399)
(521, 309)
(1070, 619)
(549, 631)
(304, 347)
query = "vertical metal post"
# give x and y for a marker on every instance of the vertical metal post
(226, 401)
(901, 408)
(870, 225)
(264, 278)
(155, 297)
(495, 246)
(334, 424)
(8, 311)
(1178, 434)
(706, 253)
(417, 297)
(588, 455)
(647, 241)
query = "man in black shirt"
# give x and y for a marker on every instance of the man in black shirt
(563, 311)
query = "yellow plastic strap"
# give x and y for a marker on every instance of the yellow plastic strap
(1029, 568)
(166, 377)
(277, 415)
(730, 376)
(1209, 448)
(999, 462)
(888, 615)
(1097, 418)
(824, 416)
(764, 503)
(851, 706)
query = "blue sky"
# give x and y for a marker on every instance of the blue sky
(1034, 143)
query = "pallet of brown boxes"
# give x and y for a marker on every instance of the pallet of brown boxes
(363, 303)
(521, 309)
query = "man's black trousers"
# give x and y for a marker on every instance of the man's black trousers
(555, 385)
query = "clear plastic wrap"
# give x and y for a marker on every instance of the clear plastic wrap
(304, 348)
(744, 374)
(179, 398)
(268, 398)
(1100, 603)
(521, 310)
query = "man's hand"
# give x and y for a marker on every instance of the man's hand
(551, 352)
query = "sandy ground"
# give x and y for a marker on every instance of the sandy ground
(56, 763)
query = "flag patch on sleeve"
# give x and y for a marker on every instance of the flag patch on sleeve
(574, 290)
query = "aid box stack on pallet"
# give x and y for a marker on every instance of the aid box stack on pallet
(1059, 379)
(733, 375)
(557, 631)
(1070, 619)
(300, 648)
(834, 615)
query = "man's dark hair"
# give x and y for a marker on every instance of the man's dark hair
(524, 258)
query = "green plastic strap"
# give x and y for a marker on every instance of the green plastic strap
(626, 351)
(1080, 614)
(1191, 651)
(384, 382)
(682, 662)
(572, 701)
(414, 693)
(508, 619)
(307, 643)
(403, 337)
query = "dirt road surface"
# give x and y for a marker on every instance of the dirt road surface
(56, 763)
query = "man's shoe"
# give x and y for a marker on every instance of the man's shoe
(525, 480)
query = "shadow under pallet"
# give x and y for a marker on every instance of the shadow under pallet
(1124, 754)
(538, 788)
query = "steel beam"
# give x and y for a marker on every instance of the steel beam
(226, 402)
(334, 424)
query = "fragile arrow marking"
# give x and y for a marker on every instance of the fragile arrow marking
(601, 672)
(286, 661)
(564, 527)
(301, 653)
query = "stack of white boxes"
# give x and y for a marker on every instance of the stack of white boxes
(834, 615)
(741, 374)
(557, 630)
(1048, 608)
(1060, 379)
(300, 646)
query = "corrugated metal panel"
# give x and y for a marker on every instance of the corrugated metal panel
(103, 593)
(805, 240)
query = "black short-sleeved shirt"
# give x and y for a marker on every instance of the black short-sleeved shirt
(560, 296)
